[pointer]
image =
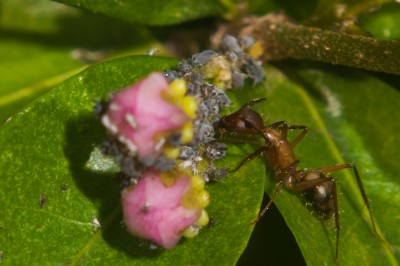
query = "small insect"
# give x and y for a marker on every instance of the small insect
(315, 185)
(42, 201)
(211, 223)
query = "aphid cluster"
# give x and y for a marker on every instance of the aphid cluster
(208, 74)
(316, 186)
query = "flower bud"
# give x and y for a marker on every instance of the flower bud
(142, 115)
(163, 206)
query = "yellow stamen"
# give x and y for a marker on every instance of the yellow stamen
(191, 231)
(172, 152)
(204, 219)
(203, 198)
(197, 182)
(256, 50)
(176, 91)
(187, 133)
(189, 105)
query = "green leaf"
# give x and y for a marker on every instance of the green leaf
(160, 12)
(53, 144)
(352, 117)
(40, 50)
(383, 23)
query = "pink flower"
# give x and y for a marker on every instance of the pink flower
(162, 205)
(140, 115)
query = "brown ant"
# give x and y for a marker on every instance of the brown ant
(315, 185)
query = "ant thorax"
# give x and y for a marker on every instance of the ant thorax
(316, 187)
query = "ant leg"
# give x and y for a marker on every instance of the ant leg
(281, 184)
(299, 137)
(252, 102)
(284, 127)
(238, 141)
(337, 219)
(249, 158)
(279, 124)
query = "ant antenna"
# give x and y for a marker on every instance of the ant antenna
(253, 102)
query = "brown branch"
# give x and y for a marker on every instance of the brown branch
(281, 38)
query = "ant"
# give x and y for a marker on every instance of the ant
(315, 185)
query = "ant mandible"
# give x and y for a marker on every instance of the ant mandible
(315, 185)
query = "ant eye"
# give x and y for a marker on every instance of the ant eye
(247, 124)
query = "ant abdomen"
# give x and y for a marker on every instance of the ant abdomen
(320, 198)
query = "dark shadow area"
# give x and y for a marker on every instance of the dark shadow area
(83, 135)
(390, 79)
(94, 32)
(188, 38)
(272, 242)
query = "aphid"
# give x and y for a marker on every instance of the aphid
(206, 132)
(246, 41)
(100, 108)
(64, 187)
(171, 75)
(315, 185)
(216, 174)
(185, 66)
(216, 151)
(230, 43)
(237, 79)
(186, 152)
(255, 71)
(203, 58)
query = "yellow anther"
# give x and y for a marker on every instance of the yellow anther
(172, 152)
(178, 87)
(176, 91)
(204, 219)
(191, 231)
(256, 50)
(203, 198)
(197, 182)
(187, 133)
(189, 105)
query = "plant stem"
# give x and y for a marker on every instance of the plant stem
(281, 38)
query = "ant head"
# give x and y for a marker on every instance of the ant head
(243, 121)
